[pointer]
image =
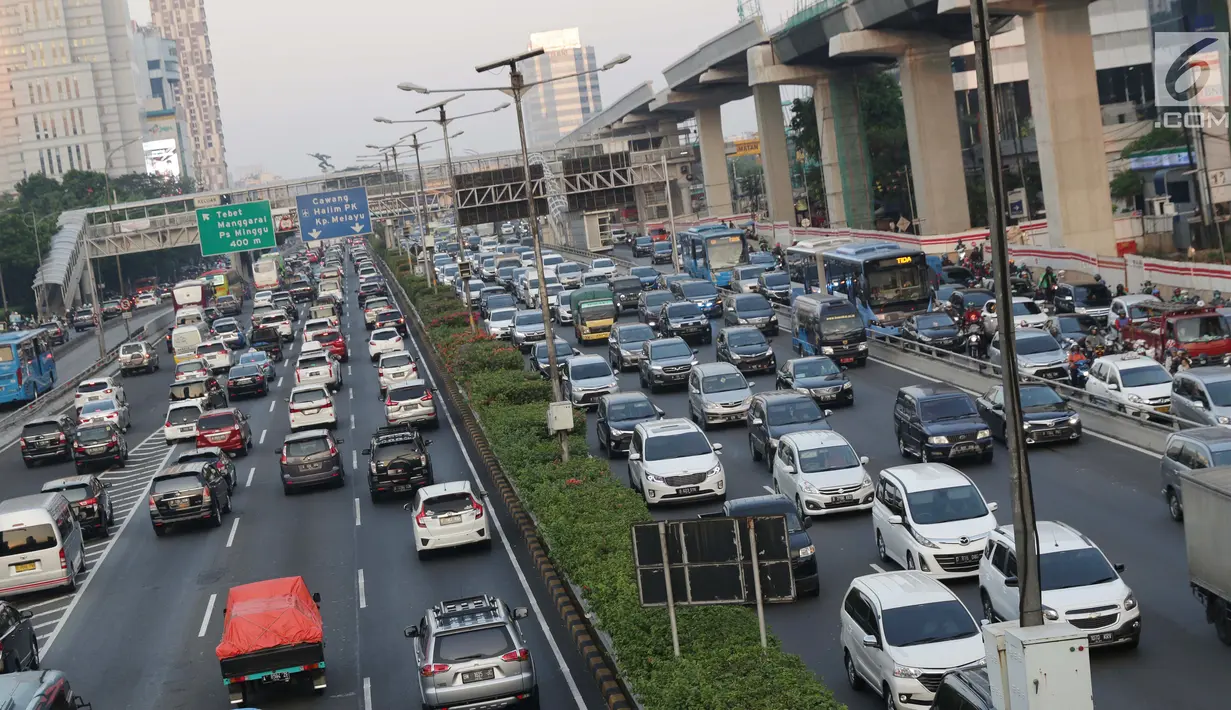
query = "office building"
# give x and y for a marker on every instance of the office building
(68, 99)
(183, 21)
(166, 141)
(556, 108)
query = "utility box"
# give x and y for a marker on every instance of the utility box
(997, 662)
(559, 417)
(1048, 668)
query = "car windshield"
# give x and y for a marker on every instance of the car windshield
(106, 405)
(1026, 308)
(676, 348)
(819, 367)
(563, 349)
(175, 484)
(306, 447)
(676, 446)
(183, 415)
(698, 289)
(589, 370)
(1067, 569)
(569, 269)
(631, 409)
(93, 434)
(530, 318)
(601, 264)
(796, 410)
(20, 541)
(752, 304)
(396, 360)
(938, 320)
(254, 357)
(1201, 330)
(683, 310)
(927, 623)
(1096, 295)
(654, 300)
(212, 421)
(776, 279)
(640, 271)
(307, 396)
(726, 382)
(1040, 396)
(1036, 343)
(1151, 374)
(662, 247)
(841, 326)
(941, 408)
(626, 284)
(827, 458)
(975, 299)
(1077, 325)
(749, 272)
(494, 302)
(946, 505)
(741, 338)
(636, 333)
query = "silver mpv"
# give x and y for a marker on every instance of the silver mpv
(471, 654)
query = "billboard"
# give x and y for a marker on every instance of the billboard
(162, 157)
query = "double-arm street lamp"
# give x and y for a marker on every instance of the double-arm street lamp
(517, 89)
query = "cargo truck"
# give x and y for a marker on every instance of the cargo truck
(594, 311)
(1207, 532)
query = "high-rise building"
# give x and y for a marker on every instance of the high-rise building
(68, 98)
(184, 22)
(166, 141)
(556, 108)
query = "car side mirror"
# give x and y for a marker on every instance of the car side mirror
(106, 485)
(411, 632)
(894, 520)
(788, 468)
(1113, 387)
(1119, 566)
(339, 441)
(1010, 581)
(828, 412)
(718, 448)
(807, 522)
(863, 460)
(1198, 404)
(521, 612)
(27, 615)
(660, 412)
(993, 506)
(366, 452)
(695, 351)
(997, 406)
(576, 352)
(870, 641)
(694, 390)
(757, 421)
(634, 456)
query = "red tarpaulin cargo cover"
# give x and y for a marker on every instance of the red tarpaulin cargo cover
(269, 614)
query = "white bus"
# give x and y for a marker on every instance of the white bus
(266, 275)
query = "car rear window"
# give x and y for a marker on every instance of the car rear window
(190, 390)
(92, 386)
(384, 335)
(226, 327)
(490, 642)
(407, 393)
(40, 429)
(221, 420)
(447, 503)
(190, 366)
(131, 349)
(105, 405)
(183, 415)
(73, 493)
(327, 336)
(399, 360)
(306, 447)
(306, 396)
(313, 361)
(212, 348)
(19, 541)
(175, 484)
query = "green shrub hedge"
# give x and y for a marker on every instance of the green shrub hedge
(584, 514)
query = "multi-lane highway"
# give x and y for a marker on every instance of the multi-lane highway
(141, 630)
(1106, 489)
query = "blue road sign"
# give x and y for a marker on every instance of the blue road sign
(338, 213)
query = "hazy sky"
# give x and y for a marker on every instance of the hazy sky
(308, 76)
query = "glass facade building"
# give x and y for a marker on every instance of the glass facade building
(556, 108)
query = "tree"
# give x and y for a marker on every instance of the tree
(1156, 139)
(808, 140)
(1127, 185)
(884, 122)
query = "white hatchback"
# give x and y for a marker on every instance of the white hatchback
(394, 369)
(191, 370)
(384, 340)
(318, 369)
(448, 515)
(821, 473)
(97, 390)
(311, 407)
(147, 300)
(181, 422)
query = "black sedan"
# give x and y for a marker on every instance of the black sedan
(1047, 416)
(650, 303)
(745, 347)
(751, 309)
(247, 380)
(391, 318)
(933, 330)
(618, 415)
(819, 377)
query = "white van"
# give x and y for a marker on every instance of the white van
(189, 315)
(185, 339)
(41, 545)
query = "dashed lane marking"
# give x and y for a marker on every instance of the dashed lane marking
(209, 611)
(251, 473)
(234, 528)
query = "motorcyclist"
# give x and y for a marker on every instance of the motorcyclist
(1120, 290)
(1177, 294)
(1076, 359)
(1217, 300)
(1048, 280)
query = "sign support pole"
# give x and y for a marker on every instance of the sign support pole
(675, 248)
(756, 580)
(675, 632)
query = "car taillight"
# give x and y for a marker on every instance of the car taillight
(380, 372)
(23, 443)
(90, 501)
(205, 495)
(283, 457)
(419, 519)
(260, 378)
(389, 402)
(333, 450)
(79, 449)
(427, 396)
(63, 559)
(63, 438)
(107, 391)
(153, 504)
(327, 405)
(521, 654)
(427, 671)
(297, 376)
(478, 508)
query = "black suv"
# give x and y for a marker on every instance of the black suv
(626, 290)
(702, 293)
(398, 461)
(301, 290)
(371, 290)
(642, 246)
(267, 341)
(650, 303)
(934, 422)
(188, 493)
(18, 640)
(751, 309)
(47, 439)
(99, 442)
(684, 320)
(311, 458)
(216, 456)
(90, 502)
(391, 318)
(283, 300)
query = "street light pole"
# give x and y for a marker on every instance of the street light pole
(421, 203)
(98, 304)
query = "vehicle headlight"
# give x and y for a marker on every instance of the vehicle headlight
(984, 434)
(372, 466)
(862, 346)
(773, 319)
(1075, 419)
(653, 479)
(1130, 603)
(847, 385)
(1050, 614)
(923, 540)
(736, 356)
(905, 671)
(656, 368)
(803, 390)
(807, 487)
(938, 439)
(826, 350)
(1224, 420)
(923, 338)
(807, 551)
(867, 481)
(1134, 398)
(715, 471)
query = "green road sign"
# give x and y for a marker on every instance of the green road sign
(242, 227)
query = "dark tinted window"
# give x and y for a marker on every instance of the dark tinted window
(470, 645)
(946, 505)
(92, 434)
(407, 393)
(306, 447)
(676, 348)
(326, 336)
(19, 541)
(307, 396)
(654, 300)
(40, 429)
(636, 333)
(183, 415)
(92, 386)
(931, 410)
(221, 420)
(398, 360)
(631, 409)
(1074, 568)
(73, 493)
(683, 310)
(745, 337)
(188, 390)
(692, 443)
(176, 484)
(793, 411)
(927, 623)
(244, 371)
(447, 503)
(1035, 344)
(698, 289)
(752, 302)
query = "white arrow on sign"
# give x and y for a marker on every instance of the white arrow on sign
(314, 233)
(357, 228)
(205, 216)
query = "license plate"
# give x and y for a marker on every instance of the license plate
(311, 411)
(1105, 637)
(474, 676)
(688, 490)
(451, 520)
(845, 498)
(964, 449)
(279, 677)
(24, 567)
(179, 504)
(92, 399)
(96, 449)
(846, 360)
(963, 559)
(399, 489)
(218, 437)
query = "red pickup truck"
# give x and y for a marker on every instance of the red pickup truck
(1198, 330)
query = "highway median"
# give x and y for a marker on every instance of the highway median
(582, 516)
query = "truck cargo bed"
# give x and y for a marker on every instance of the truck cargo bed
(1207, 528)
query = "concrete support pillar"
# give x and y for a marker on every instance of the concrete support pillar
(934, 140)
(714, 161)
(775, 161)
(1068, 126)
(845, 163)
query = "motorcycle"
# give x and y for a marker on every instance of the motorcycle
(1079, 372)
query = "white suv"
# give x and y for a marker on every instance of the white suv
(672, 460)
(181, 423)
(395, 368)
(384, 340)
(1079, 585)
(448, 515)
(930, 516)
(216, 354)
(1136, 383)
(901, 632)
(311, 407)
(822, 473)
(98, 389)
(318, 369)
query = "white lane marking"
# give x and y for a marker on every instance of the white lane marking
(271, 406)
(44, 624)
(351, 393)
(27, 607)
(209, 610)
(234, 527)
(1125, 444)
(348, 371)
(367, 694)
(279, 382)
(363, 595)
(45, 613)
(251, 473)
(352, 421)
(358, 516)
(263, 431)
(877, 567)
(508, 550)
(132, 512)
(768, 489)
(109, 479)
(354, 460)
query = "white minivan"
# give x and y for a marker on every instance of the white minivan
(185, 339)
(41, 545)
